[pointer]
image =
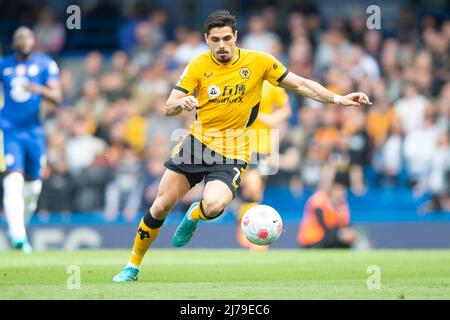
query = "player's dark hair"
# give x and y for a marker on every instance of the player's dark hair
(219, 19)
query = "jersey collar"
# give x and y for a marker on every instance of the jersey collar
(233, 61)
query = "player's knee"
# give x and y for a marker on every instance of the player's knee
(212, 207)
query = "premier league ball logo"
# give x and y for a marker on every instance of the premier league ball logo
(213, 91)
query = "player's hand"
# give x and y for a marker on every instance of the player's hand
(189, 103)
(356, 99)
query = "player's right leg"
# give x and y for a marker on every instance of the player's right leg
(172, 188)
(13, 185)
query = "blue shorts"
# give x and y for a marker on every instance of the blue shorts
(24, 151)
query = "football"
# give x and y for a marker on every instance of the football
(262, 225)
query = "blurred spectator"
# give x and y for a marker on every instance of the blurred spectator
(357, 29)
(411, 108)
(419, 149)
(372, 44)
(326, 220)
(388, 158)
(363, 65)
(343, 166)
(297, 27)
(192, 46)
(50, 34)
(161, 128)
(113, 85)
(299, 54)
(311, 167)
(143, 54)
(358, 145)
(82, 148)
(56, 146)
(437, 181)
(303, 134)
(152, 82)
(332, 47)
(380, 116)
(168, 59)
(153, 171)
(258, 37)
(327, 134)
(124, 193)
(390, 56)
(70, 92)
(158, 19)
(135, 127)
(92, 101)
(120, 63)
(443, 108)
(90, 185)
(93, 65)
(57, 190)
(289, 159)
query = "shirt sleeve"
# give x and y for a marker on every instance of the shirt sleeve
(51, 72)
(188, 80)
(274, 70)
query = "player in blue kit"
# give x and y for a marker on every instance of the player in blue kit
(27, 78)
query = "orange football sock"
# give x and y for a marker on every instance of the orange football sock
(197, 213)
(144, 238)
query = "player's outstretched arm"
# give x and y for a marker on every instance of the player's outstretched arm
(316, 91)
(179, 101)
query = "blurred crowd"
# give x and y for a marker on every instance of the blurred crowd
(108, 141)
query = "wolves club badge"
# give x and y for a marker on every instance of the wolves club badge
(245, 73)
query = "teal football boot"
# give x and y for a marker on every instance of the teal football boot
(20, 244)
(186, 229)
(127, 274)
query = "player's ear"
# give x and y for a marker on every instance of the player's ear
(206, 38)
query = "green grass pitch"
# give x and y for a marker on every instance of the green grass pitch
(228, 274)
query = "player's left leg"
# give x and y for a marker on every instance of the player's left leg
(31, 191)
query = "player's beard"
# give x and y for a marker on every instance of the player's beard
(223, 57)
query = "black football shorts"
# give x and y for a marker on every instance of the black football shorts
(197, 162)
